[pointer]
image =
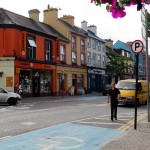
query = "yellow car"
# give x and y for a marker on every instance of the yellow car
(127, 90)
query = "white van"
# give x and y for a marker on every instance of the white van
(9, 97)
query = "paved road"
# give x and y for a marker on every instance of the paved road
(81, 123)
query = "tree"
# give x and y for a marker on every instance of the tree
(117, 65)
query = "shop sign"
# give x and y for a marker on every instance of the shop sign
(96, 71)
(9, 81)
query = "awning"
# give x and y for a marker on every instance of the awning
(32, 42)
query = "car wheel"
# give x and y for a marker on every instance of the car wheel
(12, 101)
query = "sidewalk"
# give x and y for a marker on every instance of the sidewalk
(60, 98)
(138, 139)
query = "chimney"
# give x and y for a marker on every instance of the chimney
(50, 14)
(34, 14)
(84, 25)
(93, 28)
(109, 43)
(69, 19)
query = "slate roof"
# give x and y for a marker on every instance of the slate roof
(92, 34)
(10, 18)
(74, 29)
(121, 45)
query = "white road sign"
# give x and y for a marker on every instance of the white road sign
(137, 46)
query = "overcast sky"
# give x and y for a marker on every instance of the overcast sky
(124, 29)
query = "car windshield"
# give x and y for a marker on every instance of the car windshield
(125, 85)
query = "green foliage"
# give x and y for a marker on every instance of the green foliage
(117, 65)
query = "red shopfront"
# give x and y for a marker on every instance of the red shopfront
(36, 79)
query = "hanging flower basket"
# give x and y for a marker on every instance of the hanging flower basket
(117, 7)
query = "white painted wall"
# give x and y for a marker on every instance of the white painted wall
(7, 67)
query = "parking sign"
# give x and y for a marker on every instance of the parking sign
(137, 46)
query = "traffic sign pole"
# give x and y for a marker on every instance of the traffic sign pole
(137, 47)
(136, 91)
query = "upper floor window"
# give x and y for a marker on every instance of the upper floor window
(82, 58)
(31, 47)
(103, 60)
(62, 53)
(99, 60)
(82, 45)
(103, 47)
(74, 57)
(93, 44)
(94, 58)
(89, 57)
(73, 42)
(98, 46)
(48, 51)
(89, 42)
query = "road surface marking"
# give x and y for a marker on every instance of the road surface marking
(5, 137)
(115, 123)
(131, 122)
(28, 123)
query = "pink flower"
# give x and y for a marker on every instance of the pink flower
(92, 1)
(117, 12)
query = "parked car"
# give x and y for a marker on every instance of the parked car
(106, 88)
(9, 97)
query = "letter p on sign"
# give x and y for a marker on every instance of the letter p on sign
(137, 46)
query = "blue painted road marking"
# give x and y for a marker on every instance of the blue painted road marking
(91, 98)
(66, 136)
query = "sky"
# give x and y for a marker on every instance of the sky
(124, 29)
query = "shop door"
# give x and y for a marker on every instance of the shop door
(36, 87)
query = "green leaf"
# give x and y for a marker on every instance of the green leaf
(107, 7)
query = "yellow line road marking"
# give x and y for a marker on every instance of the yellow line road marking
(131, 122)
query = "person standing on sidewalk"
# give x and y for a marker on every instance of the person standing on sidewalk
(112, 97)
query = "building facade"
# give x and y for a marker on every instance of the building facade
(30, 51)
(96, 59)
(71, 72)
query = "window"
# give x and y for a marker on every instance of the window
(48, 56)
(103, 60)
(94, 58)
(31, 47)
(98, 46)
(73, 42)
(89, 58)
(99, 60)
(62, 53)
(94, 44)
(74, 58)
(89, 42)
(103, 47)
(82, 45)
(82, 58)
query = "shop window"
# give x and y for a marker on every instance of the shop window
(45, 81)
(80, 81)
(48, 50)
(31, 47)
(25, 79)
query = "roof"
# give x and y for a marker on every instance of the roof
(74, 29)
(121, 45)
(94, 36)
(10, 18)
